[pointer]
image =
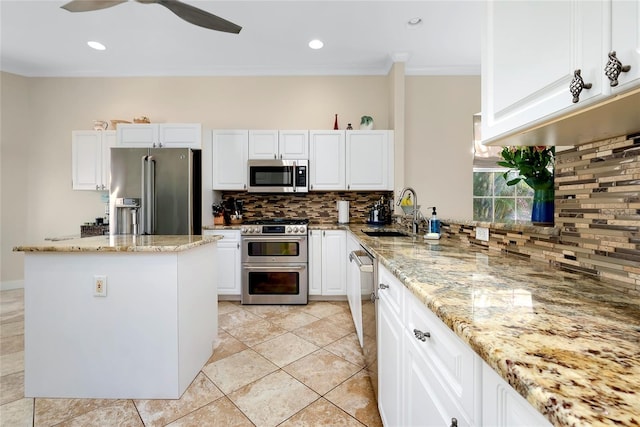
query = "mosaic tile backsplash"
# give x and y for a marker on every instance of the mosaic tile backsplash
(318, 206)
(597, 216)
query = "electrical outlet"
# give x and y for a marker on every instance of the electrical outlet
(99, 286)
(482, 233)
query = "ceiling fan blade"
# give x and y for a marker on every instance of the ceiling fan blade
(89, 5)
(197, 16)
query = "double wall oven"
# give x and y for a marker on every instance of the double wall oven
(275, 261)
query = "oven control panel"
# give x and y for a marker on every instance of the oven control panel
(267, 230)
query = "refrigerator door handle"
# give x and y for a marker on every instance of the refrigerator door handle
(143, 192)
(151, 195)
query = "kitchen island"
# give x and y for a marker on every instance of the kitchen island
(118, 316)
(564, 341)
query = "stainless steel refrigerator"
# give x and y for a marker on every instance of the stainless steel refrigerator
(155, 191)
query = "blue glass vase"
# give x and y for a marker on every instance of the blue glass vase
(543, 203)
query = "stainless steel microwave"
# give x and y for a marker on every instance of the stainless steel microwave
(278, 176)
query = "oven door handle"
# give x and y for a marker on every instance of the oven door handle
(276, 268)
(284, 239)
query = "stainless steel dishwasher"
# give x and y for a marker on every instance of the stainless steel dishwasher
(368, 298)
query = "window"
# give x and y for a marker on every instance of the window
(495, 201)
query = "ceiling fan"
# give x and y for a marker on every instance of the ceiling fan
(187, 12)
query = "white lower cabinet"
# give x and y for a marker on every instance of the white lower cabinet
(443, 373)
(228, 259)
(327, 262)
(502, 406)
(428, 376)
(390, 349)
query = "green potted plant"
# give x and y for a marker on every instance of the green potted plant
(535, 166)
(366, 123)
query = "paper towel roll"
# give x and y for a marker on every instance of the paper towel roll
(343, 211)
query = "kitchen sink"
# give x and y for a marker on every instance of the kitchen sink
(384, 233)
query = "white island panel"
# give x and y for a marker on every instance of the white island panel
(146, 339)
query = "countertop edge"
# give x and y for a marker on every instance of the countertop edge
(155, 243)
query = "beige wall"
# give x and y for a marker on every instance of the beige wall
(15, 134)
(438, 161)
(40, 113)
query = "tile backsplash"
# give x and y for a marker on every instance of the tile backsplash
(597, 216)
(318, 206)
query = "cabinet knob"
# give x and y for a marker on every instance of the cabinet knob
(454, 422)
(577, 84)
(383, 286)
(613, 68)
(422, 336)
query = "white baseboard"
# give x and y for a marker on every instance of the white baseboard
(7, 285)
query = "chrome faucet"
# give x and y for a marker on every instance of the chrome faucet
(416, 222)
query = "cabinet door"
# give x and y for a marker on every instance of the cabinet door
(390, 359)
(531, 51)
(86, 160)
(108, 142)
(180, 135)
(502, 406)
(327, 160)
(334, 265)
(315, 262)
(229, 159)
(228, 261)
(625, 40)
(137, 135)
(367, 160)
(456, 368)
(427, 402)
(263, 144)
(293, 144)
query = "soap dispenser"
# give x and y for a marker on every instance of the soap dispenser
(434, 222)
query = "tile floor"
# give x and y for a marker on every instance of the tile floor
(275, 366)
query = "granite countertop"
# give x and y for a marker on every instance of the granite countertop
(121, 243)
(565, 342)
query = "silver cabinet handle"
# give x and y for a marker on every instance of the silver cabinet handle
(577, 84)
(383, 286)
(422, 336)
(454, 422)
(613, 69)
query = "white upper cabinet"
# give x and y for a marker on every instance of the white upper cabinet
(153, 135)
(369, 160)
(283, 144)
(351, 160)
(327, 160)
(91, 159)
(625, 41)
(229, 156)
(531, 50)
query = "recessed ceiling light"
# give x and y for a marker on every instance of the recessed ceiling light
(316, 44)
(414, 22)
(96, 45)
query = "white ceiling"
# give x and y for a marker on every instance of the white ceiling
(38, 38)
